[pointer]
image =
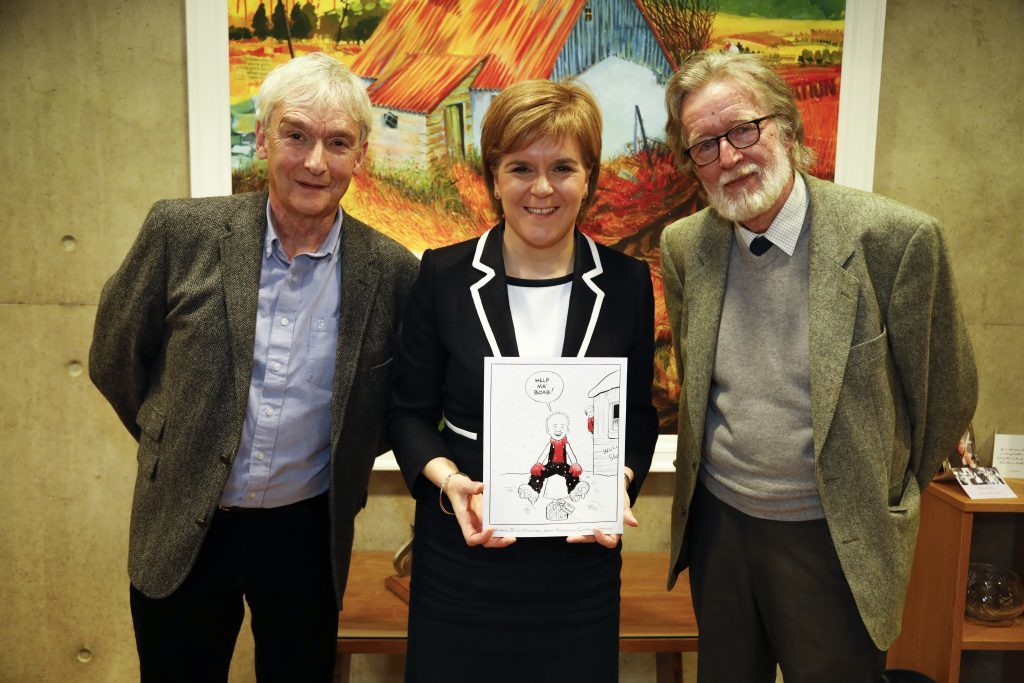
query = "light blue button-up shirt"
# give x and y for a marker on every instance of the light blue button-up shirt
(285, 452)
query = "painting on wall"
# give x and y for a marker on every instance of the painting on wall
(432, 68)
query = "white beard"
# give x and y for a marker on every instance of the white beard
(776, 172)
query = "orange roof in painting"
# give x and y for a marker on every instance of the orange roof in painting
(420, 82)
(522, 38)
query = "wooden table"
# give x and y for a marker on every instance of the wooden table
(651, 620)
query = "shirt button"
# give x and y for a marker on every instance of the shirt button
(251, 496)
(276, 366)
(284, 322)
(268, 411)
(259, 455)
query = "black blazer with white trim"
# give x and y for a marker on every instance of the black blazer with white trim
(458, 313)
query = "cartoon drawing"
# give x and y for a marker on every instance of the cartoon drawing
(556, 458)
(552, 439)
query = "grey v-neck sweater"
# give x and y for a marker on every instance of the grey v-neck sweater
(758, 441)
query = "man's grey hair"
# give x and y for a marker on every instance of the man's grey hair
(319, 82)
(771, 91)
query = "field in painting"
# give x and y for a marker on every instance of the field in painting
(785, 36)
(820, 114)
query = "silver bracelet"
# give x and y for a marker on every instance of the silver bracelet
(628, 480)
(440, 493)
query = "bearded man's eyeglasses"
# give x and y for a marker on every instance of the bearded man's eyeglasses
(742, 136)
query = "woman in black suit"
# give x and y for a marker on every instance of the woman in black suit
(484, 607)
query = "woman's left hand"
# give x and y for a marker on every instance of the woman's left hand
(610, 540)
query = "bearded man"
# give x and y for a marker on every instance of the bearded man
(826, 372)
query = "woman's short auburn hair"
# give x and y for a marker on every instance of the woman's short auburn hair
(536, 110)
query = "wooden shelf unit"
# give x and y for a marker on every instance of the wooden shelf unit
(935, 632)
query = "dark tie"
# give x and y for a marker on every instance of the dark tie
(760, 245)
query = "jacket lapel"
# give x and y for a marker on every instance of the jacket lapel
(241, 261)
(490, 295)
(360, 281)
(704, 296)
(585, 298)
(832, 293)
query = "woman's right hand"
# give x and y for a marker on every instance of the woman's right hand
(467, 501)
(466, 497)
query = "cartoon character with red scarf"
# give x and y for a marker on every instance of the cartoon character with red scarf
(556, 458)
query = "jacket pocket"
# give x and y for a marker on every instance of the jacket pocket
(904, 496)
(869, 350)
(896, 492)
(151, 421)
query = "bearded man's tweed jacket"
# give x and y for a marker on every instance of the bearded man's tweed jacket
(893, 380)
(172, 351)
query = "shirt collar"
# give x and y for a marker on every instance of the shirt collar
(785, 229)
(328, 248)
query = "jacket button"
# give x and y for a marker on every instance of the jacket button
(226, 459)
(201, 521)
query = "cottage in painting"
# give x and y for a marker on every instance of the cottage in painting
(432, 68)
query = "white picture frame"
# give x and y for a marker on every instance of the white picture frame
(554, 444)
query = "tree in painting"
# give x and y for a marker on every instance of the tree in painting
(260, 23)
(300, 25)
(280, 28)
(685, 24)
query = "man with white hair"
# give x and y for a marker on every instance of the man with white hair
(246, 343)
(826, 372)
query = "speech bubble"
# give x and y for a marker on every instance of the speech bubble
(544, 386)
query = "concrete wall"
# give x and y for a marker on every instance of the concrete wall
(95, 129)
(949, 121)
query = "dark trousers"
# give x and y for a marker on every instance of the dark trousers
(768, 592)
(551, 469)
(278, 561)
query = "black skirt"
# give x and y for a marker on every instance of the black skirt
(540, 610)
